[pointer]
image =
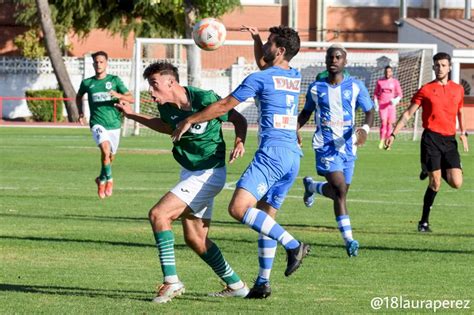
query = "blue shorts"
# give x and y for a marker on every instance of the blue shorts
(335, 163)
(270, 174)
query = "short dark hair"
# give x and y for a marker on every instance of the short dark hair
(100, 53)
(388, 67)
(161, 67)
(288, 38)
(441, 56)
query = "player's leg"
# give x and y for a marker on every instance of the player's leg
(253, 185)
(338, 187)
(320, 187)
(196, 236)
(114, 136)
(161, 215)
(384, 124)
(431, 157)
(198, 190)
(451, 163)
(266, 255)
(102, 139)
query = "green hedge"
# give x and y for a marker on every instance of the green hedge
(43, 110)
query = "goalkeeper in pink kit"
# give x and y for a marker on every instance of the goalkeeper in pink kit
(387, 95)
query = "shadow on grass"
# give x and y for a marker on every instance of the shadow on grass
(74, 217)
(69, 240)
(75, 291)
(143, 296)
(317, 246)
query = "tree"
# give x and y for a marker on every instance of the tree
(56, 58)
(143, 18)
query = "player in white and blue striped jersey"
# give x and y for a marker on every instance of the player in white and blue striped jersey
(334, 99)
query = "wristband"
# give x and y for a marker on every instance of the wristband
(366, 128)
(393, 135)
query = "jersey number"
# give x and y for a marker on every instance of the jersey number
(198, 129)
(290, 104)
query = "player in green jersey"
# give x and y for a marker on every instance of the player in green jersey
(103, 90)
(201, 154)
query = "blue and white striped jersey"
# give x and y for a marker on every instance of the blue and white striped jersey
(334, 109)
(276, 91)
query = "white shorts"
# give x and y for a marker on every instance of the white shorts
(100, 134)
(198, 188)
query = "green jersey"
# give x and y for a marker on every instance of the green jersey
(202, 146)
(101, 103)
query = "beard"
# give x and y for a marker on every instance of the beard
(269, 58)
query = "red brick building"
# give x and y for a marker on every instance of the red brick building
(315, 20)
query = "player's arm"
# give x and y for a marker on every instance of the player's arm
(398, 94)
(376, 96)
(240, 127)
(365, 103)
(80, 104)
(127, 96)
(212, 111)
(257, 45)
(151, 122)
(462, 127)
(303, 118)
(402, 121)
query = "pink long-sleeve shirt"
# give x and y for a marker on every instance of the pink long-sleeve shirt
(386, 89)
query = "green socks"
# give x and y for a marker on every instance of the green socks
(165, 245)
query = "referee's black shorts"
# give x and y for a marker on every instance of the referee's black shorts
(439, 152)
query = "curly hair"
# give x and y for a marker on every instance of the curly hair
(288, 38)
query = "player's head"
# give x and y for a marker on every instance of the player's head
(336, 59)
(388, 72)
(442, 65)
(100, 61)
(162, 77)
(283, 42)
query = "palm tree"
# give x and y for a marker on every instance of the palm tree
(57, 61)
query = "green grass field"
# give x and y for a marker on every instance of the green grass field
(64, 251)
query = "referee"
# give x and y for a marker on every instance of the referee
(442, 100)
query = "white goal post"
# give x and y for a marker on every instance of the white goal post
(224, 69)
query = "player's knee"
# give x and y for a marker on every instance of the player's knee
(435, 185)
(156, 216)
(235, 212)
(455, 183)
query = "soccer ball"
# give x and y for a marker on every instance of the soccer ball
(209, 34)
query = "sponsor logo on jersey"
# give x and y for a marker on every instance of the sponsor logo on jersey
(101, 97)
(347, 94)
(287, 84)
(173, 117)
(184, 190)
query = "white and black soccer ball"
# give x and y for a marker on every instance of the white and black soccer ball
(209, 34)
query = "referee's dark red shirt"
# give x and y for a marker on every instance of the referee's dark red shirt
(440, 104)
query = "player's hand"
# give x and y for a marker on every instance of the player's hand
(82, 120)
(238, 151)
(465, 143)
(361, 137)
(376, 104)
(252, 30)
(299, 138)
(124, 107)
(388, 142)
(181, 128)
(115, 94)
